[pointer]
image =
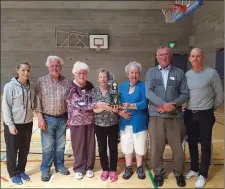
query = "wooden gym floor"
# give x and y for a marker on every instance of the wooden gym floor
(215, 180)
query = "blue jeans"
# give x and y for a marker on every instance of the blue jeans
(53, 142)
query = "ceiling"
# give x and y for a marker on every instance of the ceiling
(102, 4)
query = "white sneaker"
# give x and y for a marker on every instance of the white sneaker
(200, 183)
(89, 173)
(190, 174)
(78, 175)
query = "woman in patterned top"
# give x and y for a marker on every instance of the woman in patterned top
(106, 126)
(80, 121)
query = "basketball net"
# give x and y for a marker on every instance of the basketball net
(98, 47)
(170, 11)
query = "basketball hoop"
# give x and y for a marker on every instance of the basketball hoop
(98, 47)
(170, 11)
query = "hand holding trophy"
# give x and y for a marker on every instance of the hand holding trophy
(100, 107)
(128, 106)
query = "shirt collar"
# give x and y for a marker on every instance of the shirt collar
(167, 68)
(60, 78)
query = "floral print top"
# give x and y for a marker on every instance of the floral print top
(105, 118)
(79, 105)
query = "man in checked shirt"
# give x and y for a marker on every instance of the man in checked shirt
(52, 117)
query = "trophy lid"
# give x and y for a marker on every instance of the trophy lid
(114, 84)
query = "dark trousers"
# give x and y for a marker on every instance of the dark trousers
(199, 128)
(83, 145)
(20, 143)
(110, 133)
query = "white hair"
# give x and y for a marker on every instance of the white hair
(133, 63)
(79, 66)
(52, 58)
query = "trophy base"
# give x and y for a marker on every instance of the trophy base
(115, 105)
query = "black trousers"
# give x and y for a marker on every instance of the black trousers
(20, 143)
(199, 129)
(110, 133)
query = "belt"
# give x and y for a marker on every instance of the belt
(196, 111)
(61, 115)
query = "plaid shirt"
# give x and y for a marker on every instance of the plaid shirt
(49, 97)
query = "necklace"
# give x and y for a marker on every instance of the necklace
(132, 85)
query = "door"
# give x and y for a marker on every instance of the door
(220, 62)
(178, 60)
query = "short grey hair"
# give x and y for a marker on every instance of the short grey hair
(103, 70)
(164, 47)
(52, 58)
(199, 50)
(133, 63)
(79, 66)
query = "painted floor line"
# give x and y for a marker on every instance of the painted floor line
(4, 179)
(3, 158)
(38, 160)
(51, 179)
(119, 160)
(150, 175)
(53, 175)
(219, 113)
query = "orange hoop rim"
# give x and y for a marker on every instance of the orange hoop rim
(98, 47)
(179, 7)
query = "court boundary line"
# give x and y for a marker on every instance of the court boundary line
(219, 113)
(53, 175)
(150, 175)
(119, 160)
(4, 179)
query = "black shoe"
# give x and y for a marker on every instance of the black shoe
(180, 181)
(63, 171)
(141, 173)
(45, 177)
(159, 180)
(128, 173)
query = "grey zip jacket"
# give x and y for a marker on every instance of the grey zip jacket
(17, 103)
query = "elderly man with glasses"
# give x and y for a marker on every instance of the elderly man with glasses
(166, 89)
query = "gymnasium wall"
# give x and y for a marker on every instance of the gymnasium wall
(29, 34)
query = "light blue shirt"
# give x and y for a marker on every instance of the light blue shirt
(165, 73)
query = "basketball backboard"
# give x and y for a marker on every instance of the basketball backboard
(97, 41)
(191, 6)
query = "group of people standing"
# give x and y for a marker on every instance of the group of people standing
(153, 106)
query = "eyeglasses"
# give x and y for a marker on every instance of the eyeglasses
(162, 55)
(81, 73)
(54, 66)
(195, 56)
